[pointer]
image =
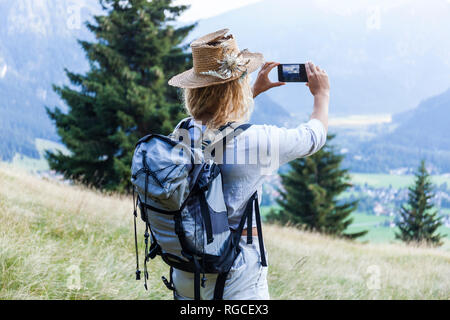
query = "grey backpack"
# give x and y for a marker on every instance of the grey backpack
(180, 196)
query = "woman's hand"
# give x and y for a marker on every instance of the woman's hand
(318, 82)
(262, 82)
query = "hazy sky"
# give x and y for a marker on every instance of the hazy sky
(201, 9)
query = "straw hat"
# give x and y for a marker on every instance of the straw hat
(216, 60)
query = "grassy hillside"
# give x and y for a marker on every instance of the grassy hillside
(50, 231)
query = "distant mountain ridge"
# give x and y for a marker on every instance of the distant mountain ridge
(421, 133)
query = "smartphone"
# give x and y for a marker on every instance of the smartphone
(292, 72)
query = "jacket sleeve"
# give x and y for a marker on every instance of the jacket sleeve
(285, 145)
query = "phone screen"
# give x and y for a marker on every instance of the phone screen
(292, 72)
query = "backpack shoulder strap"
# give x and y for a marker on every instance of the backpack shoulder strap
(237, 129)
(184, 124)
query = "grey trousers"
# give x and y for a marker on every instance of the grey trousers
(247, 279)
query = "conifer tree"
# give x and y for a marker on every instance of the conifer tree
(418, 220)
(310, 195)
(124, 96)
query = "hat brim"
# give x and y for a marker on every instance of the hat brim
(190, 79)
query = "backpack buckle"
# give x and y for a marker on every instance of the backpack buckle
(168, 284)
(154, 250)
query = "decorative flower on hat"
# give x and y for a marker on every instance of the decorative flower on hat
(229, 65)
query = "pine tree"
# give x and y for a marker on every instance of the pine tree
(124, 95)
(310, 195)
(418, 221)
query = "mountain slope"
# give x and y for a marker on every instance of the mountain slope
(420, 133)
(80, 246)
(268, 111)
(38, 40)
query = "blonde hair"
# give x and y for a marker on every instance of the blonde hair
(220, 103)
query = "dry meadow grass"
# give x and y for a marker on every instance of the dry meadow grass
(50, 232)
